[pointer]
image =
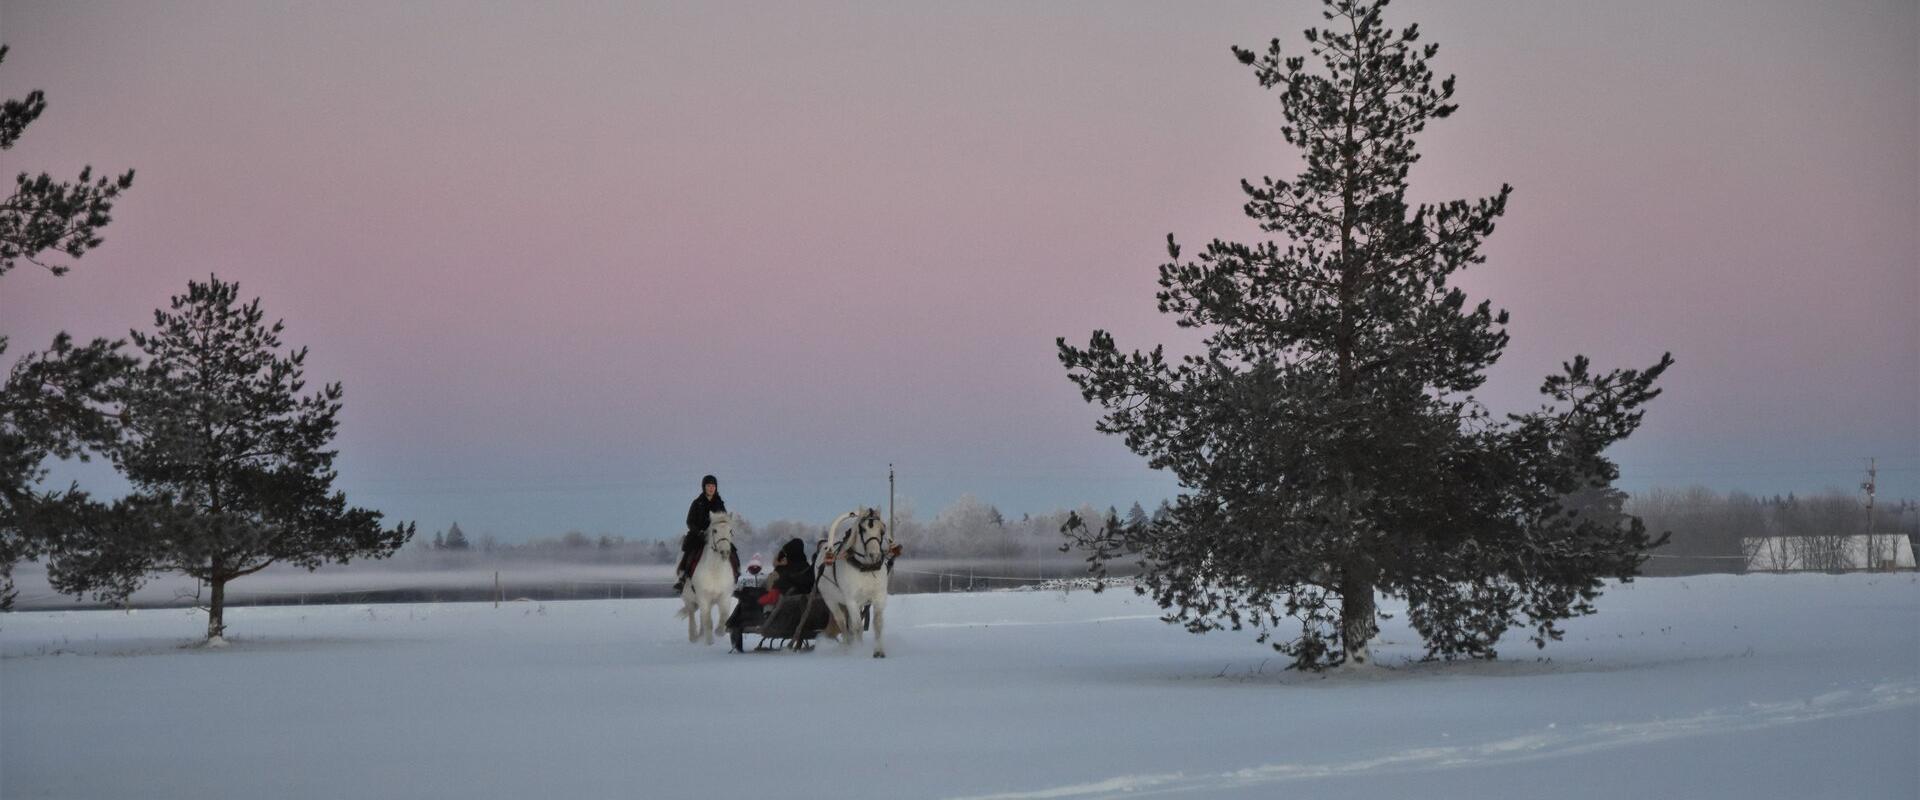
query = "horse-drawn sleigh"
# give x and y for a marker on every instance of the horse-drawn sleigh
(841, 591)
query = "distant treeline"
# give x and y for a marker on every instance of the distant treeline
(1715, 532)
(969, 528)
(1711, 532)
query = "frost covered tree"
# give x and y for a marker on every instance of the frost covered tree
(969, 527)
(230, 459)
(1327, 441)
(52, 402)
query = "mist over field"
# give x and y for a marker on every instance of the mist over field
(471, 579)
(967, 546)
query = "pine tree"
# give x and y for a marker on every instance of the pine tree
(229, 460)
(1137, 516)
(456, 538)
(1328, 439)
(52, 403)
(43, 214)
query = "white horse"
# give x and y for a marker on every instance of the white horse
(854, 575)
(710, 588)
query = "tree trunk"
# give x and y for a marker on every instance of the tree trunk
(1356, 616)
(216, 626)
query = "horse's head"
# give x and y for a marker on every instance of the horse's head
(720, 531)
(869, 531)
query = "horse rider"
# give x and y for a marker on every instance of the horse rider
(695, 541)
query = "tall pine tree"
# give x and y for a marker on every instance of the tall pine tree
(1327, 440)
(230, 458)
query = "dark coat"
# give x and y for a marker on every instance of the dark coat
(697, 521)
(796, 575)
(747, 612)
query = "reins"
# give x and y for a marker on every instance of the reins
(858, 557)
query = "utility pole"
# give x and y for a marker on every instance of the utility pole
(1873, 545)
(891, 533)
(1905, 507)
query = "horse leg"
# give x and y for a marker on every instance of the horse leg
(840, 619)
(693, 625)
(879, 627)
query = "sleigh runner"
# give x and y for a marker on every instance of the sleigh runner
(794, 624)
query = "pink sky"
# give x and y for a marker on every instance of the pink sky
(568, 259)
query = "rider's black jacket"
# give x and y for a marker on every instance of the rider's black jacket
(697, 521)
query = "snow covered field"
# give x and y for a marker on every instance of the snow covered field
(1723, 686)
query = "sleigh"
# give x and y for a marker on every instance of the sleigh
(794, 624)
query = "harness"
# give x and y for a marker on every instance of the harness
(845, 549)
(859, 557)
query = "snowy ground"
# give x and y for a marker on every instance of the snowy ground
(1754, 686)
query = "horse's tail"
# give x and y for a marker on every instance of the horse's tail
(686, 609)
